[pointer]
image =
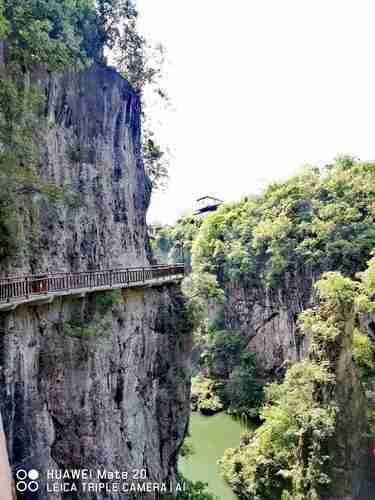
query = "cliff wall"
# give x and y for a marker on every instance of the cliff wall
(113, 397)
(89, 144)
(101, 381)
(268, 319)
(5, 472)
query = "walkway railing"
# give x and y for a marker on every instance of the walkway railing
(23, 287)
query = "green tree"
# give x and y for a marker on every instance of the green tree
(194, 491)
(47, 32)
(291, 455)
(4, 25)
(316, 221)
(56, 35)
(244, 390)
(155, 160)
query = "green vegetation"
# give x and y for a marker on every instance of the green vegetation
(54, 35)
(289, 455)
(47, 32)
(363, 355)
(204, 397)
(234, 371)
(236, 388)
(320, 222)
(244, 391)
(194, 491)
(224, 348)
(187, 449)
(95, 321)
(268, 463)
(317, 221)
(169, 240)
(201, 290)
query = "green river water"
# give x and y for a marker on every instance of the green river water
(210, 437)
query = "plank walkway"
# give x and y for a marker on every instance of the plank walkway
(42, 289)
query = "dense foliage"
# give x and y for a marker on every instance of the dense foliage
(194, 491)
(244, 391)
(234, 370)
(268, 463)
(363, 355)
(174, 242)
(321, 222)
(289, 457)
(56, 35)
(318, 220)
(48, 32)
(204, 396)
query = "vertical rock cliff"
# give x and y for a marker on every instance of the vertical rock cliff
(268, 319)
(91, 152)
(352, 468)
(101, 381)
(5, 472)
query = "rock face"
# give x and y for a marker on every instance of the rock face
(103, 381)
(268, 319)
(5, 473)
(351, 448)
(90, 146)
(116, 399)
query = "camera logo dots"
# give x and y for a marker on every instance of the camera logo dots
(33, 475)
(27, 481)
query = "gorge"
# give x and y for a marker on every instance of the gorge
(105, 355)
(258, 266)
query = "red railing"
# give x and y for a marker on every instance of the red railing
(27, 286)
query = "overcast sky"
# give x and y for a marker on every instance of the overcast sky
(260, 87)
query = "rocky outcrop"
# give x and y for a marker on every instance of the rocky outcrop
(89, 142)
(100, 382)
(351, 447)
(268, 319)
(115, 399)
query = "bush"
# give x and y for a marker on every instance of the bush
(243, 391)
(223, 351)
(194, 491)
(363, 355)
(95, 321)
(169, 238)
(267, 463)
(204, 397)
(9, 236)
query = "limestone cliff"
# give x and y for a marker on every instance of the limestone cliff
(90, 150)
(267, 318)
(115, 399)
(352, 467)
(99, 382)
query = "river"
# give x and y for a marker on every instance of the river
(210, 437)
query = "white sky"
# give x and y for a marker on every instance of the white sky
(260, 87)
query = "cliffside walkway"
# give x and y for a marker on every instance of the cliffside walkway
(43, 289)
